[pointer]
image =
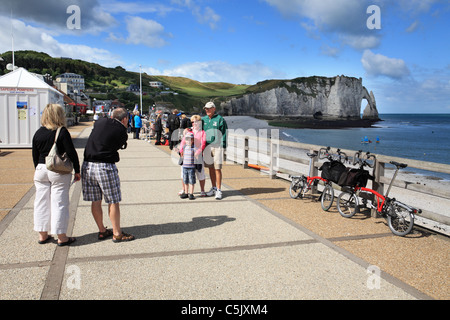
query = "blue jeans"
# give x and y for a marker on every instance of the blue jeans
(189, 175)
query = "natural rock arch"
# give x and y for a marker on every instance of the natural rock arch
(370, 112)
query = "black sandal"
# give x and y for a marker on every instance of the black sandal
(123, 237)
(49, 238)
(103, 235)
(68, 242)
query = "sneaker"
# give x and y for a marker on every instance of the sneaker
(183, 195)
(203, 194)
(211, 192)
(218, 195)
(191, 196)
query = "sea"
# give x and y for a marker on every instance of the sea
(424, 137)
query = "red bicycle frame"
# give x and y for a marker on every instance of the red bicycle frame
(380, 198)
(310, 179)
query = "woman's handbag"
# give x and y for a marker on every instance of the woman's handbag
(56, 162)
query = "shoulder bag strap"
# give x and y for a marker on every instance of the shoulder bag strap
(57, 134)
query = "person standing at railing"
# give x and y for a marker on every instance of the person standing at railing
(215, 128)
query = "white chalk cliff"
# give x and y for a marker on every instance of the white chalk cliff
(328, 98)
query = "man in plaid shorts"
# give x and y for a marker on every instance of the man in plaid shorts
(99, 174)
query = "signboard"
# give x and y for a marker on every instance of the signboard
(22, 110)
(17, 90)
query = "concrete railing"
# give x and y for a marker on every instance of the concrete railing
(283, 158)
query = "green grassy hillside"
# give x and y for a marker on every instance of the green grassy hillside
(111, 83)
(201, 89)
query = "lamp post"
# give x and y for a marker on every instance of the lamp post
(140, 86)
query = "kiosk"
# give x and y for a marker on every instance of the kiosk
(23, 97)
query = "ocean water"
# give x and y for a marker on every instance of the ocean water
(423, 137)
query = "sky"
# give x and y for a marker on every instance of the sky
(400, 48)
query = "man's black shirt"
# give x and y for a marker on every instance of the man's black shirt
(107, 137)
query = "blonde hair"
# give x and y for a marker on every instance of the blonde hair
(196, 117)
(53, 116)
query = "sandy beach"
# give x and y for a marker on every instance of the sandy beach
(251, 126)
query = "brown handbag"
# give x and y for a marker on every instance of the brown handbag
(56, 162)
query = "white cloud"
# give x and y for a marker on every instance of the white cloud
(209, 17)
(360, 42)
(204, 15)
(27, 37)
(53, 14)
(413, 27)
(346, 18)
(133, 8)
(379, 65)
(147, 32)
(329, 51)
(429, 94)
(416, 6)
(141, 31)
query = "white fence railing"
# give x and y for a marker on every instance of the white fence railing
(282, 158)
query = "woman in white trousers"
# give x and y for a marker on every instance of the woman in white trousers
(51, 205)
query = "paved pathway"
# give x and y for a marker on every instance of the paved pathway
(256, 243)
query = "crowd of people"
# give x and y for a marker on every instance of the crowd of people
(202, 145)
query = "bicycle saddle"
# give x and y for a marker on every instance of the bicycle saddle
(399, 165)
(311, 155)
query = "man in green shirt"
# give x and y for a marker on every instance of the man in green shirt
(215, 128)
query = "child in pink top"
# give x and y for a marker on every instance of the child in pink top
(199, 145)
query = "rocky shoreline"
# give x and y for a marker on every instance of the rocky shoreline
(308, 123)
(322, 98)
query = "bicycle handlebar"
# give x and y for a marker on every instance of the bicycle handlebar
(364, 161)
(342, 156)
(325, 153)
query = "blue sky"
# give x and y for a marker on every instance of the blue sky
(406, 62)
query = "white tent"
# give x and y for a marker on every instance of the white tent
(23, 97)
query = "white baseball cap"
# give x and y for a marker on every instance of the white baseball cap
(209, 105)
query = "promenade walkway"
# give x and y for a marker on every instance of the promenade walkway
(256, 243)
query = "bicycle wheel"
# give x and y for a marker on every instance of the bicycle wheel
(296, 187)
(327, 197)
(347, 204)
(400, 219)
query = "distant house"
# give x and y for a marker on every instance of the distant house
(133, 88)
(70, 83)
(156, 84)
